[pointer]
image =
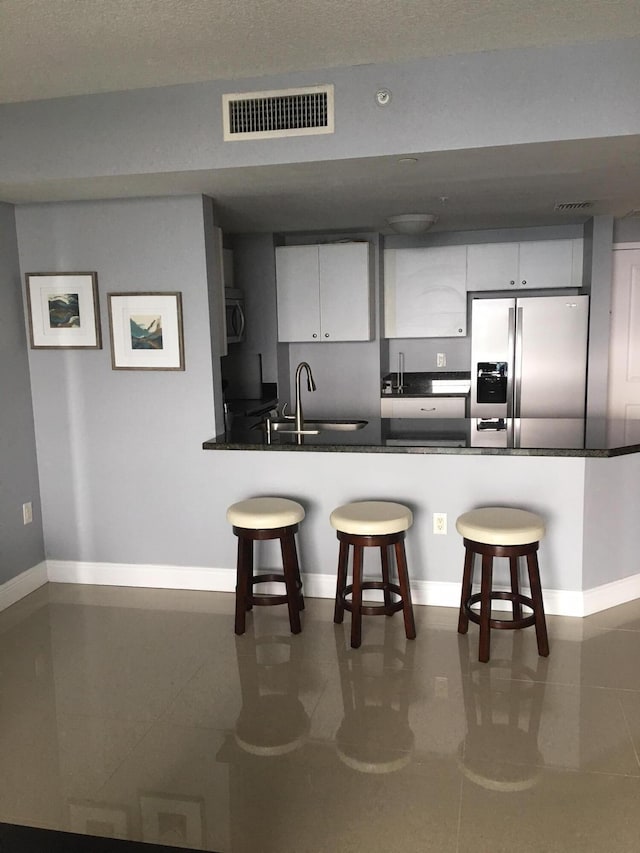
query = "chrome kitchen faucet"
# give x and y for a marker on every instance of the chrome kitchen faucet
(311, 385)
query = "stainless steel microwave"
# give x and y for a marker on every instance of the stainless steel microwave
(235, 317)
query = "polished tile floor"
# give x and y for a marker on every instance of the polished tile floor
(138, 714)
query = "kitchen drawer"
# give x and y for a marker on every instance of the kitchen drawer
(422, 407)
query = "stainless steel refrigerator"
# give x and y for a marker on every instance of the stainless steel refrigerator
(529, 369)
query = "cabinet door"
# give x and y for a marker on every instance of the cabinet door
(425, 292)
(492, 266)
(422, 407)
(345, 292)
(298, 293)
(547, 263)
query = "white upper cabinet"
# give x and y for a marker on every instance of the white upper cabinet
(425, 292)
(324, 292)
(533, 265)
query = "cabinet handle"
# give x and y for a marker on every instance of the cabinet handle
(433, 409)
(314, 335)
(524, 281)
(326, 334)
(512, 282)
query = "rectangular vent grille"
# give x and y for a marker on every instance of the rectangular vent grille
(288, 112)
(569, 206)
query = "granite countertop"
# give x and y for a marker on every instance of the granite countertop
(538, 437)
(451, 383)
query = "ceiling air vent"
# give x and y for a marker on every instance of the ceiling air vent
(287, 112)
(571, 206)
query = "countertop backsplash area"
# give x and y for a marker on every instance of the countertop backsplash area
(427, 383)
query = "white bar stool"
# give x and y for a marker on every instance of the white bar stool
(501, 532)
(267, 518)
(377, 524)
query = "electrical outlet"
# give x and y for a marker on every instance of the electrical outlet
(27, 513)
(439, 522)
(441, 359)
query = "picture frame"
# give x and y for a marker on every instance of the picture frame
(63, 310)
(172, 821)
(102, 819)
(146, 331)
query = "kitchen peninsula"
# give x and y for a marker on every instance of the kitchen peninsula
(460, 436)
(588, 555)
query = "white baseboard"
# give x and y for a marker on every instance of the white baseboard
(610, 595)
(435, 593)
(22, 585)
(158, 577)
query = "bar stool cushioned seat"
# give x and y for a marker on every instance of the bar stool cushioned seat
(377, 524)
(259, 519)
(501, 532)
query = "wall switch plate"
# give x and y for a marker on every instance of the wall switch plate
(441, 359)
(27, 513)
(440, 522)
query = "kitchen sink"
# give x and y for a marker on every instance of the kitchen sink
(318, 426)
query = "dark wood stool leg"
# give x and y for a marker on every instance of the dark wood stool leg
(356, 598)
(405, 590)
(243, 582)
(386, 580)
(515, 586)
(343, 559)
(538, 606)
(291, 575)
(467, 579)
(298, 577)
(485, 607)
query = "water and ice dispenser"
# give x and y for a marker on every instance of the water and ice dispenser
(491, 382)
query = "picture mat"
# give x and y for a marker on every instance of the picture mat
(123, 307)
(41, 288)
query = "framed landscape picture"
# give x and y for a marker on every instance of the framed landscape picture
(172, 821)
(146, 331)
(63, 310)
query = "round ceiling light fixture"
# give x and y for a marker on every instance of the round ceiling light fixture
(412, 223)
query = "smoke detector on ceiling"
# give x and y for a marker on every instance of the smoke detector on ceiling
(412, 223)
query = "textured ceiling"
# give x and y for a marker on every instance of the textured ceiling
(51, 48)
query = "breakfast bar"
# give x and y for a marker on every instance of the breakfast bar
(553, 437)
(584, 490)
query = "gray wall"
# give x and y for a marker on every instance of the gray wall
(493, 98)
(626, 230)
(598, 259)
(255, 274)
(611, 530)
(119, 451)
(21, 547)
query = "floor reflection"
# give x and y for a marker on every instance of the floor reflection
(273, 720)
(140, 714)
(503, 702)
(375, 681)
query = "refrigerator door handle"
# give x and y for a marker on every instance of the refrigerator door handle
(511, 361)
(517, 391)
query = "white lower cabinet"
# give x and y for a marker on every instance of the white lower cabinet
(422, 407)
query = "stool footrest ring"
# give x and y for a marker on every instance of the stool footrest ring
(516, 598)
(265, 599)
(374, 609)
